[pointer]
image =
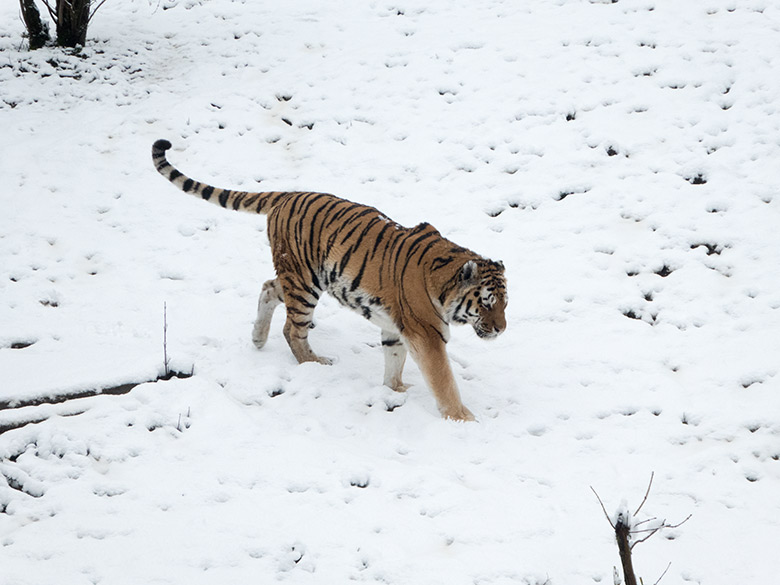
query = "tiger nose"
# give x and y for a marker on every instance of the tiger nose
(499, 326)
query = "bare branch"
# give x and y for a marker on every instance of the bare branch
(688, 517)
(95, 9)
(652, 531)
(664, 573)
(647, 493)
(645, 521)
(603, 508)
(52, 12)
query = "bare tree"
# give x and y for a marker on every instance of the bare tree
(71, 18)
(630, 533)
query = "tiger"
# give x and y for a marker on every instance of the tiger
(411, 282)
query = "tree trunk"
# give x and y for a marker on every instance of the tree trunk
(37, 31)
(621, 534)
(72, 21)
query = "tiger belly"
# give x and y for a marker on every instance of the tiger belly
(362, 302)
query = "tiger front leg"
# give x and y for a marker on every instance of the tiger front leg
(431, 357)
(271, 297)
(395, 357)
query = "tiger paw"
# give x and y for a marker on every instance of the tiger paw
(460, 413)
(397, 385)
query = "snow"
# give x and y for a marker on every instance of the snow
(619, 158)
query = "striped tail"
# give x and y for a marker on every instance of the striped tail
(227, 198)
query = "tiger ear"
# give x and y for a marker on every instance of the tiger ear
(468, 272)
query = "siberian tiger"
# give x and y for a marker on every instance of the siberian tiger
(411, 282)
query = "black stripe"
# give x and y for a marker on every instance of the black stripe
(312, 227)
(187, 185)
(207, 191)
(237, 201)
(174, 175)
(441, 263)
(303, 301)
(391, 250)
(223, 197)
(439, 333)
(293, 201)
(314, 197)
(355, 218)
(349, 234)
(344, 260)
(380, 236)
(460, 304)
(321, 249)
(412, 249)
(314, 279)
(417, 241)
(359, 277)
(425, 251)
(341, 213)
(273, 202)
(331, 240)
(372, 222)
(250, 200)
(309, 290)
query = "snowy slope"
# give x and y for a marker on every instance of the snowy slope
(620, 158)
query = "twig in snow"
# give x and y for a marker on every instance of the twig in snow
(603, 508)
(647, 493)
(165, 339)
(664, 573)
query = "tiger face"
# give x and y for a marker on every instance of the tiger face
(481, 299)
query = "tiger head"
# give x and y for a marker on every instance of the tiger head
(480, 297)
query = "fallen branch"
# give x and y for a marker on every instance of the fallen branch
(36, 417)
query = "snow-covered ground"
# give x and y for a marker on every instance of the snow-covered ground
(622, 159)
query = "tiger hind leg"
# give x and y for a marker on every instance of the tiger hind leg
(300, 303)
(395, 357)
(271, 297)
